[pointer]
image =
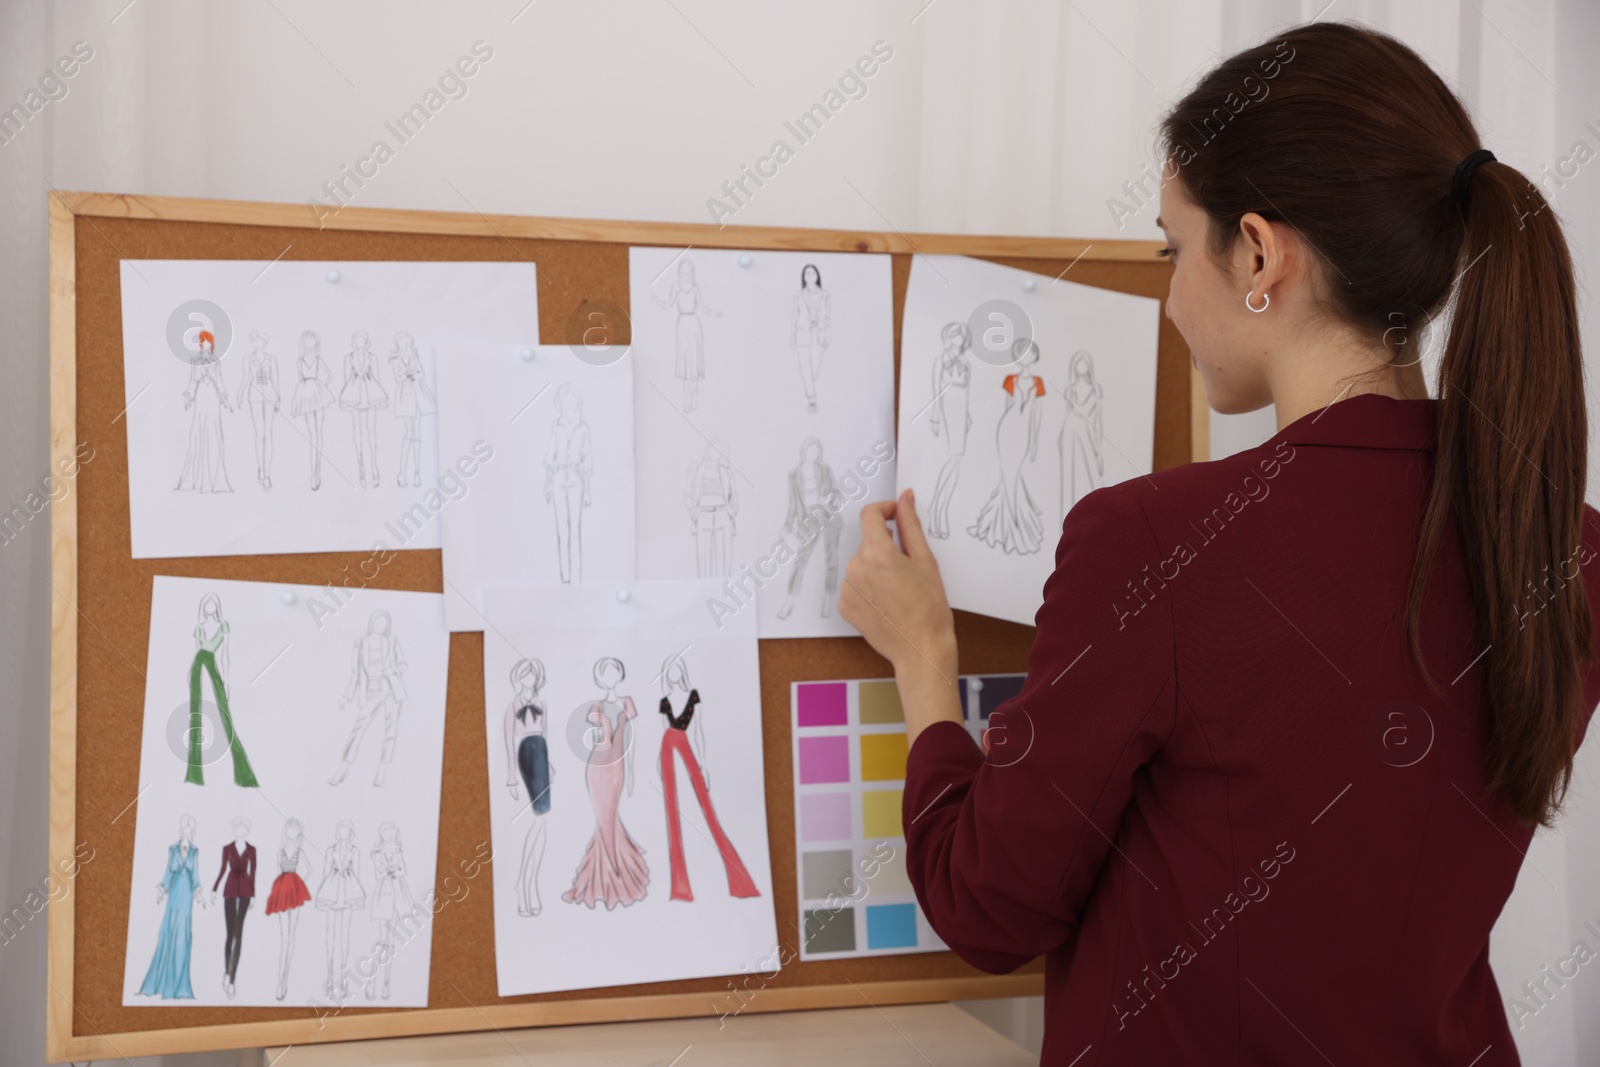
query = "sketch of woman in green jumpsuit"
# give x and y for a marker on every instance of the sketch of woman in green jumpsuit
(211, 648)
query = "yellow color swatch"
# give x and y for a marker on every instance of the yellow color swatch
(880, 813)
(883, 757)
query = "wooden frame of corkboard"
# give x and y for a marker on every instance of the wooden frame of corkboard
(96, 687)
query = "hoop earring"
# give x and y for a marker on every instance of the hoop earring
(1266, 298)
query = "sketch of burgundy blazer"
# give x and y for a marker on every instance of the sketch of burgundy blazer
(239, 870)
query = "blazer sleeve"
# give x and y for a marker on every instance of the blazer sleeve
(1005, 851)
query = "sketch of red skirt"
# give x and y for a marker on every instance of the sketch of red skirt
(288, 892)
(740, 884)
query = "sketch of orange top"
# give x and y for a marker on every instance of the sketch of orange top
(1010, 385)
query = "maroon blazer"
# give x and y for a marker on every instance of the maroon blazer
(240, 870)
(1226, 806)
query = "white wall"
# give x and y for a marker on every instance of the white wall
(1019, 118)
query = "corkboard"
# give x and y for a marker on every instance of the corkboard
(101, 618)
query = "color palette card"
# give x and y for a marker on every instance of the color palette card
(849, 771)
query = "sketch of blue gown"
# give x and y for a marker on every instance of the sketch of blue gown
(168, 976)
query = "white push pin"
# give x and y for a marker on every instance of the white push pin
(975, 684)
(1028, 285)
(623, 596)
(287, 597)
(333, 276)
(526, 354)
(744, 261)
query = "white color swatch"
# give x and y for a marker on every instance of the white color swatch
(759, 402)
(569, 630)
(995, 470)
(548, 439)
(299, 679)
(200, 482)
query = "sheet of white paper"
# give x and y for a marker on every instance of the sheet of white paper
(548, 442)
(732, 454)
(558, 651)
(297, 435)
(997, 462)
(307, 684)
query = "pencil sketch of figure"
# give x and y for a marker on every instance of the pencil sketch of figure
(712, 500)
(211, 661)
(311, 398)
(810, 329)
(814, 502)
(376, 664)
(204, 466)
(528, 757)
(689, 337)
(340, 894)
(362, 395)
(675, 746)
(413, 399)
(951, 418)
(391, 901)
(1083, 462)
(567, 465)
(1010, 520)
(179, 890)
(289, 894)
(239, 867)
(259, 388)
(613, 870)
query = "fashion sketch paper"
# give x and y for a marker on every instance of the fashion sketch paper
(278, 406)
(1019, 396)
(764, 406)
(627, 799)
(287, 819)
(547, 436)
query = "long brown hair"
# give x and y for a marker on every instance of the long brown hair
(1348, 136)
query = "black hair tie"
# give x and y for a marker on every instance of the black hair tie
(1458, 187)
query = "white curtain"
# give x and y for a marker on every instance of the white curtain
(1023, 118)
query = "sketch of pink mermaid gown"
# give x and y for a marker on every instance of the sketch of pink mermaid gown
(613, 870)
(1010, 520)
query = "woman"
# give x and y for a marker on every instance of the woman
(210, 654)
(1348, 668)
(1010, 520)
(690, 341)
(362, 395)
(528, 755)
(567, 466)
(675, 744)
(340, 894)
(259, 387)
(205, 467)
(1083, 461)
(311, 398)
(391, 900)
(288, 895)
(376, 664)
(810, 328)
(613, 870)
(413, 400)
(239, 868)
(952, 374)
(180, 889)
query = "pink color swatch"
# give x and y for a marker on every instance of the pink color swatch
(824, 759)
(823, 703)
(825, 817)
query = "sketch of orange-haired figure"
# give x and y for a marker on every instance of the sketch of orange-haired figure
(204, 469)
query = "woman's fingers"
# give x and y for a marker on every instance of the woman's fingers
(906, 520)
(875, 518)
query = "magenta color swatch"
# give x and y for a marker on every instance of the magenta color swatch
(823, 703)
(824, 759)
(825, 817)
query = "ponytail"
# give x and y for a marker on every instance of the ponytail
(1511, 471)
(1368, 170)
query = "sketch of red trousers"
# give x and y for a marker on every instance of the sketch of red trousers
(740, 884)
